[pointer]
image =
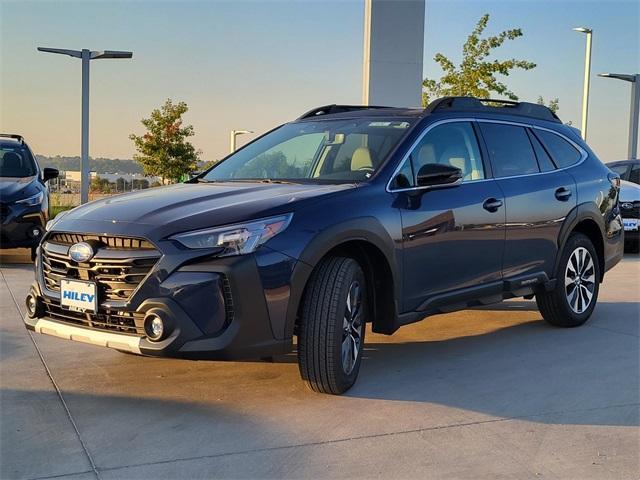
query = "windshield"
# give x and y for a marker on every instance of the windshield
(316, 151)
(16, 161)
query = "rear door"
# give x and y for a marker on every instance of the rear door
(538, 196)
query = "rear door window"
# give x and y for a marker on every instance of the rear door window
(562, 152)
(510, 150)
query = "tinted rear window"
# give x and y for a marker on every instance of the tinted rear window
(510, 149)
(562, 152)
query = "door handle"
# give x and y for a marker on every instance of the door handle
(492, 204)
(563, 194)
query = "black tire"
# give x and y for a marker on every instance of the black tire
(555, 305)
(34, 252)
(323, 327)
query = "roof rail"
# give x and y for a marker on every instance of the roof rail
(329, 109)
(13, 135)
(489, 105)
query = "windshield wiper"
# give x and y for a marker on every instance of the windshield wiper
(272, 180)
(200, 180)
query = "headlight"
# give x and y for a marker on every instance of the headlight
(31, 201)
(236, 239)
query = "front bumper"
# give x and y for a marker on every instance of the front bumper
(22, 227)
(216, 308)
(631, 236)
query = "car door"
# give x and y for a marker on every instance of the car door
(453, 237)
(539, 196)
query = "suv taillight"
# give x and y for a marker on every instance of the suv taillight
(614, 179)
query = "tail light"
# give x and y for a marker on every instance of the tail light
(614, 179)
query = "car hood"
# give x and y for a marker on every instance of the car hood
(17, 188)
(182, 207)
(629, 192)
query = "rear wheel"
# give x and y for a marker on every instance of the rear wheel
(332, 326)
(574, 297)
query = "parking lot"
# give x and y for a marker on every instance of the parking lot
(488, 393)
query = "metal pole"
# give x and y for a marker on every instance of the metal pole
(232, 141)
(84, 147)
(633, 120)
(585, 93)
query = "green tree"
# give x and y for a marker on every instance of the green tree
(99, 185)
(164, 150)
(553, 105)
(476, 74)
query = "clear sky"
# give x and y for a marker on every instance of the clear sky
(252, 65)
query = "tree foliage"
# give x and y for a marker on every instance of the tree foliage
(164, 150)
(476, 74)
(553, 105)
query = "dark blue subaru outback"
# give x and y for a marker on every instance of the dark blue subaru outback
(348, 215)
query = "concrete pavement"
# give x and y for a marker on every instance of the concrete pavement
(477, 394)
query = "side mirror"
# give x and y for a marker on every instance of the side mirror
(435, 174)
(49, 173)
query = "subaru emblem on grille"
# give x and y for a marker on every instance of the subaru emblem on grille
(81, 252)
(627, 205)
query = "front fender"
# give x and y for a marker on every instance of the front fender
(367, 229)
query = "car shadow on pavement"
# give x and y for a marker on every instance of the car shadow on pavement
(521, 370)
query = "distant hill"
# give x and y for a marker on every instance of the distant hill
(100, 165)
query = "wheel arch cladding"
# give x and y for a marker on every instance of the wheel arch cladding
(592, 231)
(379, 276)
(376, 257)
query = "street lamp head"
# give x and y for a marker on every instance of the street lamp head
(582, 30)
(620, 76)
(62, 51)
(111, 54)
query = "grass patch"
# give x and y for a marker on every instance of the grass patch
(56, 209)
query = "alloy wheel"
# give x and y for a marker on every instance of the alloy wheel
(579, 280)
(352, 328)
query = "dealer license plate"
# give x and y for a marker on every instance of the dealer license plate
(78, 295)
(630, 224)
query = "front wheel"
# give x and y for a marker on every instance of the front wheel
(574, 297)
(332, 326)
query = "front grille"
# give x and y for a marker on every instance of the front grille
(228, 300)
(123, 243)
(109, 320)
(630, 209)
(118, 266)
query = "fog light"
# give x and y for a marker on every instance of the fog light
(33, 306)
(154, 326)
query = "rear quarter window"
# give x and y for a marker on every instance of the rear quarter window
(563, 153)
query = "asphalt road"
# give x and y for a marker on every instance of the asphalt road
(491, 393)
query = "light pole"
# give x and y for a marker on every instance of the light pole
(587, 74)
(634, 111)
(86, 56)
(232, 138)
